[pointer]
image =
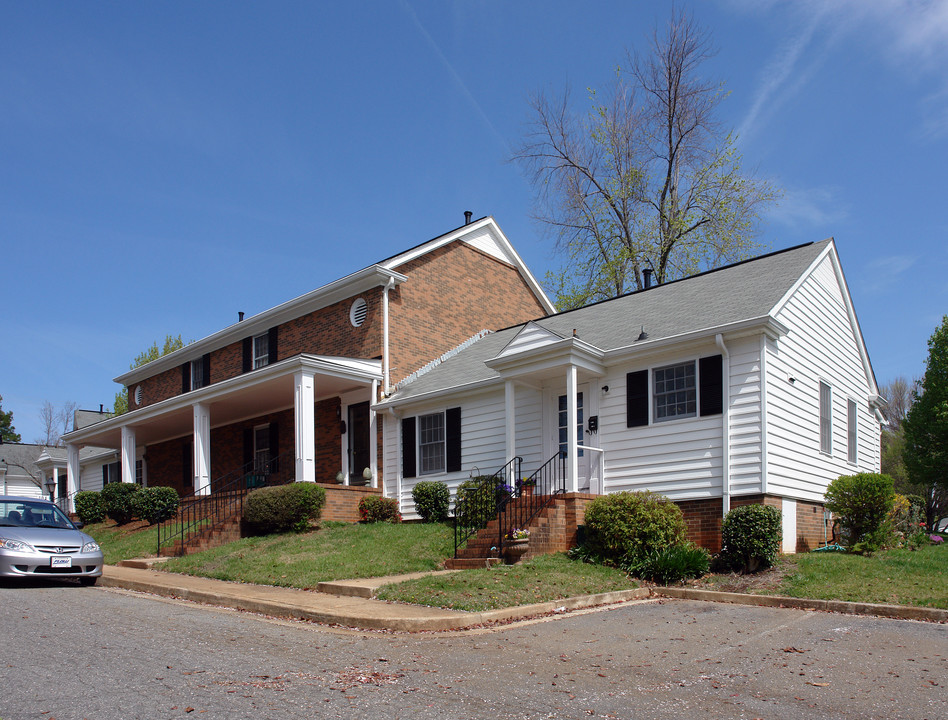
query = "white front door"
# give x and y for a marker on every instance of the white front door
(560, 432)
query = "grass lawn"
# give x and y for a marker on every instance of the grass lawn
(337, 551)
(548, 577)
(123, 542)
(898, 577)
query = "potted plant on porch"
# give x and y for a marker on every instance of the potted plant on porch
(516, 543)
(525, 486)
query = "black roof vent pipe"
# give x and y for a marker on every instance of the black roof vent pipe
(240, 316)
(647, 277)
(467, 217)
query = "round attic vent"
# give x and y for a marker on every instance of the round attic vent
(138, 395)
(357, 312)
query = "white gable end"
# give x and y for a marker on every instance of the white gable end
(531, 337)
(487, 242)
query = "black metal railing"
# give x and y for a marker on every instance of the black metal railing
(477, 504)
(533, 494)
(223, 499)
(65, 502)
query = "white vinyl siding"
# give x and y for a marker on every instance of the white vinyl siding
(745, 417)
(820, 346)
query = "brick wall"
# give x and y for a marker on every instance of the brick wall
(703, 520)
(342, 501)
(452, 293)
(810, 526)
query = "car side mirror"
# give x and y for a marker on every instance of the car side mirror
(79, 525)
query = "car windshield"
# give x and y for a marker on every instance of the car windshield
(23, 513)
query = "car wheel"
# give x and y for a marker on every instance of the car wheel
(88, 581)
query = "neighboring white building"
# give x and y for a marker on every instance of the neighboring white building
(745, 384)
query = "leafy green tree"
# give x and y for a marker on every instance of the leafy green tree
(926, 423)
(171, 344)
(7, 432)
(647, 178)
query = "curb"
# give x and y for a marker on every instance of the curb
(896, 612)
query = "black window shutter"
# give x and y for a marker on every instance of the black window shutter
(636, 398)
(186, 377)
(207, 368)
(105, 475)
(452, 436)
(248, 448)
(408, 447)
(711, 397)
(248, 354)
(272, 346)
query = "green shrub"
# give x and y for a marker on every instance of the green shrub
(155, 504)
(627, 527)
(750, 538)
(475, 502)
(431, 500)
(863, 503)
(89, 507)
(283, 508)
(374, 508)
(673, 564)
(118, 501)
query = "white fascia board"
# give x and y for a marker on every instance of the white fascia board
(459, 234)
(358, 282)
(568, 351)
(467, 388)
(363, 370)
(766, 324)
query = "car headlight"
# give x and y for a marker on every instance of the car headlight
(90, 547)
(15, 545)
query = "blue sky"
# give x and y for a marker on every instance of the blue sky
(166, 165)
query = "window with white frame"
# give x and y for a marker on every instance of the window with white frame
(431, 444)
(826, 418)
(261, 350)
(851, 430)
(261, 450)
(674, 392)
(197, 374)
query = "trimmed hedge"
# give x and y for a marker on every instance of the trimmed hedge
(373, 509)
(283, 508)
(118, 501)
(89, 507)
(750, 538)
(155, 504)
(627, 527)
(431, 500)
(863, 504)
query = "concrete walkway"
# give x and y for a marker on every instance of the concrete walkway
(349, 602)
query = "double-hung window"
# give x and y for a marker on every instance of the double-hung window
(826, 418)
(431, 443)
(851, 430)
(261, 450)
(675, 395)
(261, 350)
(197, 374)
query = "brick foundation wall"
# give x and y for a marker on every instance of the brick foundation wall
(810, 526)
(703, 520)
(342, 501)
(555, 529)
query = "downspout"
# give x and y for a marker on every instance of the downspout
(725, 426)
(386, 373)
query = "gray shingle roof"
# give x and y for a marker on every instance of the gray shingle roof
(725, 296)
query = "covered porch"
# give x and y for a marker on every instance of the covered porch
(313, 412)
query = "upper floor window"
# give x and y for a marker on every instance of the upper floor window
(197, 374)
(826, 418)
(261, 350)
(674, 393)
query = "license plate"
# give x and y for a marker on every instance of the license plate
(60, 561)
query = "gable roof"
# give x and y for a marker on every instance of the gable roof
(484, 234)
(726, 297)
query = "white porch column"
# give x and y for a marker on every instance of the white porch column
(572, 440)
(55, 483)
(304, 413)
(72, 470)
(202, 449)
(510, 413)
(128, 454)
(374, 436)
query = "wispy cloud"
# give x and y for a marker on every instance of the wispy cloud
(910, 34)
(884, 272)
(809, 207)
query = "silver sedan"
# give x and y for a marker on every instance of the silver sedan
(37, 540)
